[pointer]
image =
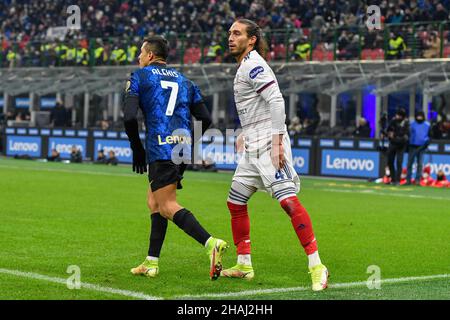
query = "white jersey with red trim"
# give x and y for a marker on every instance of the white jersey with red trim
(255, 86)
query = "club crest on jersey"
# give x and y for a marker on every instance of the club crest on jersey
(255, 71)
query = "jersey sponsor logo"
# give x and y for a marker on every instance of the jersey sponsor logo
(165, 72)
(174, 139)
(255, 71)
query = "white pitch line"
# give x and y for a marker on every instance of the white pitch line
(376, 193)
(345, 285)
(89, 286)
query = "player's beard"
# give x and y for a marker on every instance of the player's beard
(237, 53)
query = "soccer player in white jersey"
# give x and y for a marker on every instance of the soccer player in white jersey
(266, 162)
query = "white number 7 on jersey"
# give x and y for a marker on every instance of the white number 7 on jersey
(173, 95)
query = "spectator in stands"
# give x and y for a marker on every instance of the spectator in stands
(214, 52)
(397, 46)
(75, 155)
(433, 46)
(398, 134)
(59, 115)
(441, 14)
(112, 159)
(101, 158)
(351, 50)
(302, 50)
(419, 140)
(55, 156)
(363, 129)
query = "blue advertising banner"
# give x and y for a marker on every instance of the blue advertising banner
(300, 158)
(47, 102)
(346, 144)
(437, 162)
(120, 147)
(366, 145)
(349, 163)
(22, 145)
(64, 146)
(326, 143)
(22, 102)
(223, 156)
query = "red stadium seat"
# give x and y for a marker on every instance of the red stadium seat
(366, 54)
(280, 51)
(192, 55)
(306, 32)
(377, 54)
(446, 52)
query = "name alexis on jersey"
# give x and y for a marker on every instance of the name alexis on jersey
(165, 72)
(174, 139)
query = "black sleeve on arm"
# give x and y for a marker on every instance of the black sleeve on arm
(201, 113)
(131, 106)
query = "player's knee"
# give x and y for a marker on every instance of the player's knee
(237, 198)
(290, 205)
(165, 212)
(168, 209)
(152, 206)
(236, 209)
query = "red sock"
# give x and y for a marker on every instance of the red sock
(301, 223)
(240, 226)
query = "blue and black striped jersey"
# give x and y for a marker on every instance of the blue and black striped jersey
(165, 98)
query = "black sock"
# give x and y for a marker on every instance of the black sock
(157, 234)
(186, 221)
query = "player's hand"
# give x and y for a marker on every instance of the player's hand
(277, 152)
(139, 163)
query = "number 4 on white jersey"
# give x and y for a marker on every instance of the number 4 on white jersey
(173, 95)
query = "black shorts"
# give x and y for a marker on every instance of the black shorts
(162, 173)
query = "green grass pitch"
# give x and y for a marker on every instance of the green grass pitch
(54, 215)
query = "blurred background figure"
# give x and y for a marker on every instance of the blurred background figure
(363, 129)
(112, 160)
(398, 135)
(295, 127)
(419, 139)
(55, 156)
(59, 117)
(101, 158)
(75, 155)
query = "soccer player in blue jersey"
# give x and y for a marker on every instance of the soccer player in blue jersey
(167, 100)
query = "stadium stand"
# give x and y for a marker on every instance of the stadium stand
(27, 35)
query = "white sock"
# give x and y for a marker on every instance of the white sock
(244, 259)
(207, 241)
(314, 259)
(150, 258)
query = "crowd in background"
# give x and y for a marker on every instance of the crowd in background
(24, 26)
